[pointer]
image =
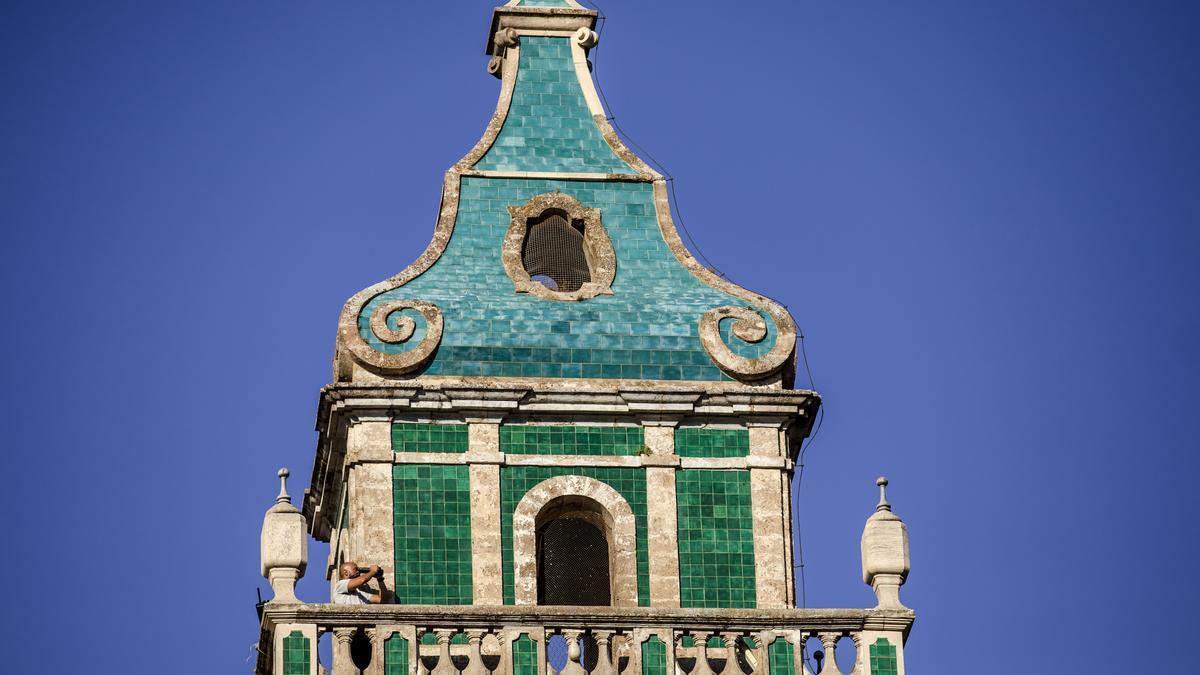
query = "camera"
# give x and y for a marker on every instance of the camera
(364, 570)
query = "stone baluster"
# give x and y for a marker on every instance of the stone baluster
(829, 643)
(860, 655)
(604, 664)
(621, 646)
(343, 663)
(376, 637)
(550, 669)
(731, 664)
(444, 665)
(475, 665)
(421, 669)
(702, 667)
(762, 658)
(573, 667)
(800, 645)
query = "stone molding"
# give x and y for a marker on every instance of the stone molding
(559, 175)
(566, 20)
(598, 461)
(576, 495)
(807, 619)
(597, 247)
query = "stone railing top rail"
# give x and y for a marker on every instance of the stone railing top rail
(491, 616)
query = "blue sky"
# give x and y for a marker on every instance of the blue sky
(984, 216)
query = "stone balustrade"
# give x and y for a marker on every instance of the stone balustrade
(524, 640)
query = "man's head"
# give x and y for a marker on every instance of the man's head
(348, 570)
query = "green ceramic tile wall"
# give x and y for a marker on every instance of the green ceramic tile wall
(395, 655)
(515, 481)
(716, 538)
(524, 655)
(700, 442)
(883, 658)
(648, 328)
(432, 511)
(530, 439)
(654, 656)
(412, 437)
(549, 126)
(781, 658)
(297, 654)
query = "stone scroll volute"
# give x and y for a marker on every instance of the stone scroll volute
(749, 326)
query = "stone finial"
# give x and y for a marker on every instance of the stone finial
(885, 559)
(283, 495)
(883, 505)
(284, 544)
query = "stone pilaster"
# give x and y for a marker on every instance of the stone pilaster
(766, 498)
(285, 630)
(372, 527)
(662, 517)
(369, 456)
(764, 440)
(884, 652)
(486, 559)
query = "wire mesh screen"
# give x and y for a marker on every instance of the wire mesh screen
(572, 564)
(554, 249)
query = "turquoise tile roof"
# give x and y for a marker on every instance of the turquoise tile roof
(549, 127)
(648, 328)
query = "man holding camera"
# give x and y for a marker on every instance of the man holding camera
(352, 589)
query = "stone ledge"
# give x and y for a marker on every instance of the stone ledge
(464, 616)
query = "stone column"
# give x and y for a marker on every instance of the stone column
(662, 516)
(486, 558)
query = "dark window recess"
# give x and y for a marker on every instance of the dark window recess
(572, 564)
(553, 253)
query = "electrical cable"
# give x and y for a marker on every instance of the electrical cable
(674, 199)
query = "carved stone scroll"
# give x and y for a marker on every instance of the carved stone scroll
(405, 327)
(748, 326)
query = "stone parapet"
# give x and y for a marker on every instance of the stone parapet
(486, 636)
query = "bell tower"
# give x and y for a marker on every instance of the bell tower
(556, 422)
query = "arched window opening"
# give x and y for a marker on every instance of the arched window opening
(554, 252)
(573, 554)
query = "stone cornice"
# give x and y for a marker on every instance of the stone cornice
(558, 19)
(549, 400)
(634, 398)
